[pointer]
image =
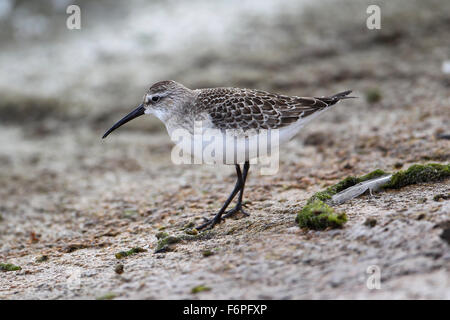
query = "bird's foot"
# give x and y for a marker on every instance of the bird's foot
(209, 223)
(236, 209)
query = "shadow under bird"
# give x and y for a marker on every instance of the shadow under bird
(242, 113)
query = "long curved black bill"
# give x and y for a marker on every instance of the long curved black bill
(139, 111)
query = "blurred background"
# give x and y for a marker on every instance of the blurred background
(61, 89)
(296, 47)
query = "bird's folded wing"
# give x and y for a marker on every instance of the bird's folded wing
(244, 109)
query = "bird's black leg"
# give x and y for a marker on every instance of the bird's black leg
(218, 217)
(238, 206)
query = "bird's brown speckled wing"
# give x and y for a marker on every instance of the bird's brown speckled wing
(233, 108)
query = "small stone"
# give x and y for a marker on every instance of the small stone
(398, 165)
(373, 95)
(207, 253)
(42, 258)
(370, 222)
(118, 269)
(441, 197)
(192, 232)
(445, 235)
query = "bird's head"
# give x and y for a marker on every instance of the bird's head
(160, 100)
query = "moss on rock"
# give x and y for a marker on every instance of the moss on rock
(161, 235)
(191, 232)
(123, 254)
(108, 296)
(319, 216)
(164, 243)
(418, 173)
(167, 242)
(373, 95)
(200, 288)
(9, 267)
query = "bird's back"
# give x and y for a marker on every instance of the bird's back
(247, 109)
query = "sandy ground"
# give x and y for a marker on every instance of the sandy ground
(78, 200)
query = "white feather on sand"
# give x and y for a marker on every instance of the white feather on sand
(360, 188)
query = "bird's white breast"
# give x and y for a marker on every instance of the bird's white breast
(206, 144)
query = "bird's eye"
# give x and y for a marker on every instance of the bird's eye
(155, 98)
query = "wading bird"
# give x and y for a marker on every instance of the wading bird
(243, 114)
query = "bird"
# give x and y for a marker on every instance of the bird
(239, 115)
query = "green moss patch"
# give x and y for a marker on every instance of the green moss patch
(200, 288)
(166, 242)
(373, 95)
(418, 173)
(192, 232)
(9, 267)
(319, 216)
(123, 254)
(161, 235)
(108, 296)
(189, 225)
